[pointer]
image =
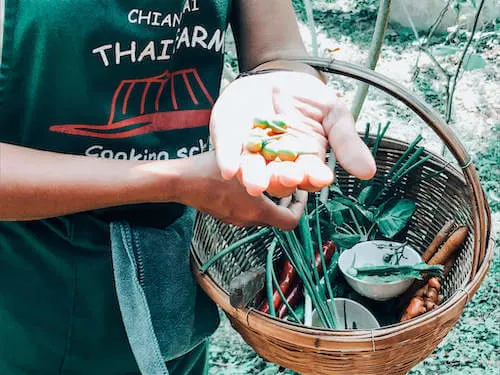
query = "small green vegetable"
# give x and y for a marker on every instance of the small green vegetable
(402, 272)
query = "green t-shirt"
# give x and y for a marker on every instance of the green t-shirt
(122, 79)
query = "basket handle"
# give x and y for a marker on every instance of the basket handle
(434, 120)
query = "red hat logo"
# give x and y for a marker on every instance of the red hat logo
(141, 106)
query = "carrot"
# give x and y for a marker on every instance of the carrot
(426, 299)
(415, 308)
(451, 245)
(438, 240)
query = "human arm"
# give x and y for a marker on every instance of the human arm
(38, 184)
(267, 37)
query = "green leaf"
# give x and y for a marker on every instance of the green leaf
(445, 50)
(355, 206)
(345, 241)
(336, 189)
(395, 218)
(338, 218)
(367, 195)
(473, 2)
(473, 62)
(364, 194)
(335, 206)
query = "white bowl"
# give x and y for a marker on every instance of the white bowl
(349, 311)
(372, 253)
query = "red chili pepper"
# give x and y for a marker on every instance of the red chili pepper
(288, 277)
(293, 298)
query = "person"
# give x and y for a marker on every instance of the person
(104, 114)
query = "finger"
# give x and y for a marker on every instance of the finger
(351, 152)
(285, 218)
(254, 174)
(316, 173)
(287, 172)
(285, 106)
(309, 109)
(283, 180)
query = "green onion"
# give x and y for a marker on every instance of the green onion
(269, 278)
(205, 266)
(283, 298)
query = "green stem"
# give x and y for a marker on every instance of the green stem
(402, 157)
(361, 232)
(397, 270)
(205, 266)
(295, 260)
(282, 296)
(305, 235)
(380, 135)
(407, 164)
(326, 275)
(269, 278)
(370, 231)
(304, 271)
(420, 162)
(367, 133)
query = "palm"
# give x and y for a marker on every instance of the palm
(308, 106)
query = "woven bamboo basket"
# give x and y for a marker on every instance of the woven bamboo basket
(454, 193)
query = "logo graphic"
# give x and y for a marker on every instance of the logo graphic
(141, 106)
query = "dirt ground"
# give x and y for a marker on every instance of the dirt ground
(473, 345)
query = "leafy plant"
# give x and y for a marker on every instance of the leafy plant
(378, 210)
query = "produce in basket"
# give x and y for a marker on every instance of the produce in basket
(374, 209)
(427, 298)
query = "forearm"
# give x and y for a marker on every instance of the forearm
(38, 184)
(267, 36)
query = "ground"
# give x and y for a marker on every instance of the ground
(473, 345)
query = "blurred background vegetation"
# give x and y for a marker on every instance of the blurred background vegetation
(447, 52)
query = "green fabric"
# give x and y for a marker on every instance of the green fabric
(67, 84)
(193, 363)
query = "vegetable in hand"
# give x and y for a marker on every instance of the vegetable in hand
(273, 140)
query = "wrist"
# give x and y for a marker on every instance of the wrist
(159, 181)
(289, 65)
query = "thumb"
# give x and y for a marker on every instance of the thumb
(351, 152)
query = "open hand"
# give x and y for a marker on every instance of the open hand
(203, 188)
(306, 105)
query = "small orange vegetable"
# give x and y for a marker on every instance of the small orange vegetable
(288, 155)
(270, 151)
